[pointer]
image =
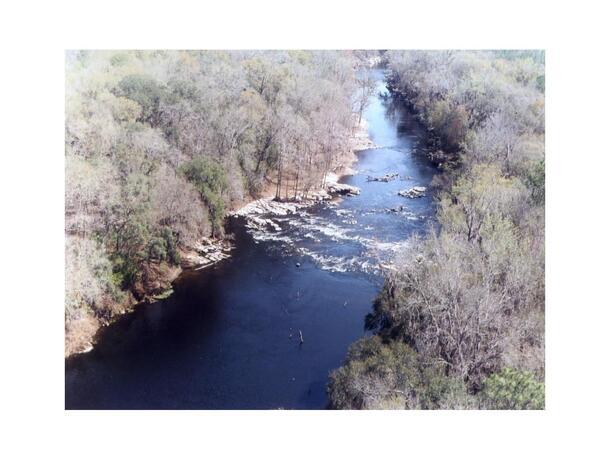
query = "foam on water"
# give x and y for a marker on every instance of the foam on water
(305, 234)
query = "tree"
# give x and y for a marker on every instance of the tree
(210, 180)
(470, 295)
(146, 92)
(160, 144)
(366, 89)
(391, 375)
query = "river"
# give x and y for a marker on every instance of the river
(229, 337)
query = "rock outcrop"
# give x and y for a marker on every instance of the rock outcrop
(205, 252)
(385, 179)
(257, 213)
(342, 189)
(269, 206)
(413, 192)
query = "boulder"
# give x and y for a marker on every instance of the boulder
(205, 252)
(385, 178)
(342, 189)
(261, 224)
(413, 192)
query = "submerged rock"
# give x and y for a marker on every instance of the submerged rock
(413, 192)
(395, 210)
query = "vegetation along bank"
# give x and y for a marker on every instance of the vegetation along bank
(160, 145)
(460, 320)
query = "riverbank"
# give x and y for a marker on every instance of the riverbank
(230, 337)
(156, 280)
(207, 251)
(468, 340)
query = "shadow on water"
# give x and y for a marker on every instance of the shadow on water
(229, 336)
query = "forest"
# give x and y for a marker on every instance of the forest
(160, 145)
(460, 321)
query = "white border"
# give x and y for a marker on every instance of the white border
(34, 37)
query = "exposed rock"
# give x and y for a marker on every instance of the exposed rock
(342, 189)
(268, 206)
(385, 179)
(205, 252)
(260, 223)
(318, 196)
(395, 210)
(192, 260)
(335, 188)
(413, 192)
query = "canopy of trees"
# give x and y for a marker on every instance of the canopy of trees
(469, 298)
(159, 144)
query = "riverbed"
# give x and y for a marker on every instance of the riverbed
(265, 328)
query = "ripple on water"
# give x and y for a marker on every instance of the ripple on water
(334, 243)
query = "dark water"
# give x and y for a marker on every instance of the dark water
(222, 341)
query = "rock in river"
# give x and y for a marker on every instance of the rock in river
(413, 192)
(385, 179)
(342, 189)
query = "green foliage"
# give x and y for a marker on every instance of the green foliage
(130, 242)
(536, 181)
(471, 294)
(540, 82)
(512, 389)
(89, 278)
(119, 59)
(157, 249)
(391, 375)
(160, 143)
(171, 246)
(164, 247)
(125, 271)
(144, 90)
(449, 122)
(210, 180)
(536, 55)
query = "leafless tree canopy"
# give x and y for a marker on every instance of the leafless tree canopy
(469, 298)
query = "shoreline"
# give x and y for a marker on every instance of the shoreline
(207, 252)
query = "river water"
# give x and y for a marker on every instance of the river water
(229, 337)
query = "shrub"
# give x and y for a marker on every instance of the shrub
(378, 375)
(157, 249)
(164, 247)
(512, 389)
(211, 181)
(171, 246)
(146, 92)
(536, 181)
